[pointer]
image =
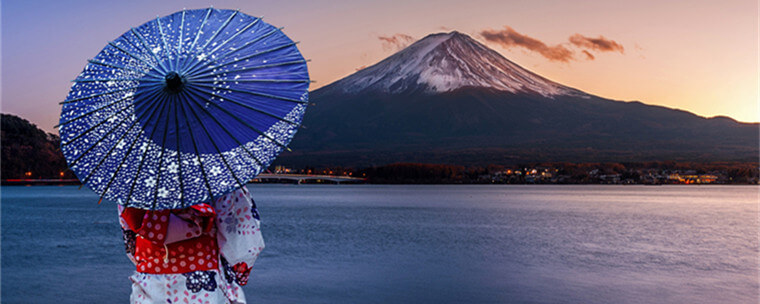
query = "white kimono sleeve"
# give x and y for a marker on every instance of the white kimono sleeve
(238, 232)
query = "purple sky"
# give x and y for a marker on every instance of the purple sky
(700, 56)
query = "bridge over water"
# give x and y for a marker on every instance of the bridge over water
(299, 178)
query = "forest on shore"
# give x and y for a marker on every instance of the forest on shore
(29, 152)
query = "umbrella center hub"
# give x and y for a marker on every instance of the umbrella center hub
(174, 82)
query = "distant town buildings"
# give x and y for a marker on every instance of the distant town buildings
(543, 175)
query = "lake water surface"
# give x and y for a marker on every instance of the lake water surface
(422, 244)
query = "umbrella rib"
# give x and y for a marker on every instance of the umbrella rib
(192, 67)
(181, 33)
(130, 54)
(161, 31)
(126, 155)
(235, 35)
(194, 71)
(249, 107)
(251, 127)
(197, 154)
(253, 68)
(254, 80)
(253, 93)
(218, 151)
(111, 79)
(145, 45)
(91, 111)
(96, 125)
(179, 157)
(143, 50)
(274, 49)
(280, 74)
(224, 25)
(93, 127)
(113, 177)
(93, 96)
(227, 131)
(161, 159)
(142, 159)
(121, 67)
(257, 39)
(134, 123)
(200, 29)
(190, 60)
(179, 41)
(73, 163)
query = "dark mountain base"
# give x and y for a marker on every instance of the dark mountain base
(481, 126)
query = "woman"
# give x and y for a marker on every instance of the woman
(200, 254)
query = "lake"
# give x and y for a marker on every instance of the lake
(422, 244)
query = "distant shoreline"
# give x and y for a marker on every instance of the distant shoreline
(39, 182)
(49, 182)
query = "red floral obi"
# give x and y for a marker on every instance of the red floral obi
(190, 233)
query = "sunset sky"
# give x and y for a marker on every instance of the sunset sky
(699, 56)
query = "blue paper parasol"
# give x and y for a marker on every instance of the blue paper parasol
(184, 108)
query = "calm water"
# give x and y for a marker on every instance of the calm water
(422, 244)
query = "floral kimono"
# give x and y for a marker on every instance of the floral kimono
(200, 254)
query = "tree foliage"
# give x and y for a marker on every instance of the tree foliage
(27, 148)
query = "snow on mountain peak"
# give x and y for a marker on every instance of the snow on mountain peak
(445, 62)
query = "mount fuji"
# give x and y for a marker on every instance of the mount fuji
(449, 99)
(443, 63)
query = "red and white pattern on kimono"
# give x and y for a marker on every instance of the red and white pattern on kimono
(201, 254)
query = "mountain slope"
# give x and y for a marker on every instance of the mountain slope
(448, 98)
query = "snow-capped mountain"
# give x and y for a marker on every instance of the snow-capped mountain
(444, 62)
(449, 99)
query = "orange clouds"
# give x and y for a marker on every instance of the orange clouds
(396, 42)
(598, 44)
(509, 38)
